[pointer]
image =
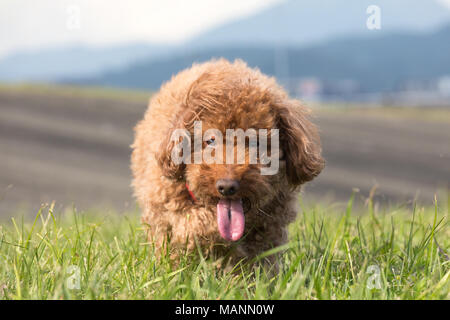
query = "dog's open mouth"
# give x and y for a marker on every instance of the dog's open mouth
(230, 219)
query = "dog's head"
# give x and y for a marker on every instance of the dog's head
(218, 102)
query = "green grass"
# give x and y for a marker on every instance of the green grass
(380, 111)
(384, 112)
(89, 92)
(332, 254)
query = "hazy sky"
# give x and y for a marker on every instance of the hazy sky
(35, 24)
(32, 24)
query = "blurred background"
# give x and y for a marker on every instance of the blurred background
(76, 76)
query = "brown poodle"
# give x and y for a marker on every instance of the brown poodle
(227, 210)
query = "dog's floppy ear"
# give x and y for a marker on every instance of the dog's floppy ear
(300, 142)
(169, 168)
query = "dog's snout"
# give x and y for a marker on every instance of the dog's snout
(227, 187)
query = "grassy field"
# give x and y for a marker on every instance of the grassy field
(335, 252)
(73, 91)
(386, 112)
(332, 254)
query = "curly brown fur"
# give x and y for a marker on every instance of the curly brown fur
(222, 95)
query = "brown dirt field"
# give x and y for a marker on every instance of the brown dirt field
(74, 149)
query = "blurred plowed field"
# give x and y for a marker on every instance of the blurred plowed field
(74, 149)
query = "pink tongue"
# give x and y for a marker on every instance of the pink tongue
(230, 218)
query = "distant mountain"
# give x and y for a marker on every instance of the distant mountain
(301, 23)
(292, 23)
(376, 64)
(74, 62)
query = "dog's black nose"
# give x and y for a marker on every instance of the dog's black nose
(227, 187)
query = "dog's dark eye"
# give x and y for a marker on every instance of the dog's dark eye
(211, 141)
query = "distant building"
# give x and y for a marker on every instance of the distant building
(443, 86)
(308, 88)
